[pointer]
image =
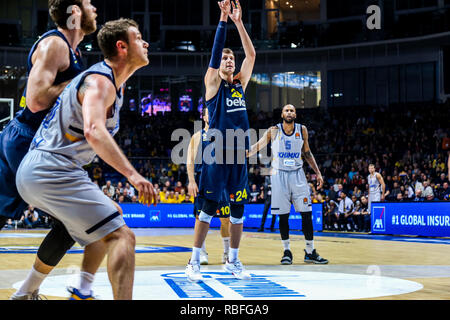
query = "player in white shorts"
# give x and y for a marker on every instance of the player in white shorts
(289, 185)
(377, 187)
(80, 126)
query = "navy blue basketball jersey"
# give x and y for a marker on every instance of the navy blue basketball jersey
(228, 110)
(33, 120)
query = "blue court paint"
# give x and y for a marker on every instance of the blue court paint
(259, 287)
(77, 250)
(193, 290)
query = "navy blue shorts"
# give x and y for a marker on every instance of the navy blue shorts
(233, 178)
(223, 211)
(15, 141)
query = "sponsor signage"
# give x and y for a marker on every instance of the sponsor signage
(182, 216)
(411, 218)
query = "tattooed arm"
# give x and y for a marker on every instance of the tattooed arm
(308, 156)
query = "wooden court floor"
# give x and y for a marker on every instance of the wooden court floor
(425, 263)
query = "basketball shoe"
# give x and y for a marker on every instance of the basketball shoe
(29, 296)
(287, 257)
(193, 272)
(237, 269)
(75, 294)
(314, 258)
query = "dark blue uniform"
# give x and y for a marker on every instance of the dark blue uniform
(15, 140)
(224, 207)
(227, 110)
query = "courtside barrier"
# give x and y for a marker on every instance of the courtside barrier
(181, 216)
(411, 218)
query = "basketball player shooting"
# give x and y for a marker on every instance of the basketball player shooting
(225, 100)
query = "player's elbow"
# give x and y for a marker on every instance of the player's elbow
(91, 132)
(251, 54)
(35, 105)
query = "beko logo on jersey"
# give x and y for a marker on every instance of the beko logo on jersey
(236, 102)
(294, 155)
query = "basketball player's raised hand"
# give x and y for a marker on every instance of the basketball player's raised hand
(236, 15)
(225, 7)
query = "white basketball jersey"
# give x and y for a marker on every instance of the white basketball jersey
(287, 149)
(374, 184)
(61, 131)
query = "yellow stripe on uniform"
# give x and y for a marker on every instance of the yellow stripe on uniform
(71, 137)
(23, 102)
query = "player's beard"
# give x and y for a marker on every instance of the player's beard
(289, 121)
(87, 24)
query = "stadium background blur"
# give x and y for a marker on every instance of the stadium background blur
(366, 96)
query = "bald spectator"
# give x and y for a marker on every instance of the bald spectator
(109, 189)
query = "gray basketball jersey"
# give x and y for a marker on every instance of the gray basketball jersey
(374, 184)
(61, 131)
(287, 150)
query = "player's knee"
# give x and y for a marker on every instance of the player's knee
(131, 237)
(55, 245)
(204, 217)
(236, 213)
(122, 234)
(224, 222)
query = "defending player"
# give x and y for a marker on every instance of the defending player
(225, 99)
(80, 126)
(53, 61)
(289, 185)
(194, 169)
(377, 187)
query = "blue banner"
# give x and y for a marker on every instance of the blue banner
(182, 216)
(411, 218)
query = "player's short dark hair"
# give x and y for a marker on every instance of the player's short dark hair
(58, 11)
(111, 32)
(228, 51)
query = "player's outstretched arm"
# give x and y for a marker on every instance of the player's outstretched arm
(190, 165)
(249, 49)
(50, 57)
(97, 94)
(212, 78)
(308, 156)
(264, 141)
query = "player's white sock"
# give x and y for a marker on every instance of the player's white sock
(32, 282)
(85, 284)
(309, 246)
(204, 246)
(286, 244)
(195, 257)
(233, 255)
(226, 244)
